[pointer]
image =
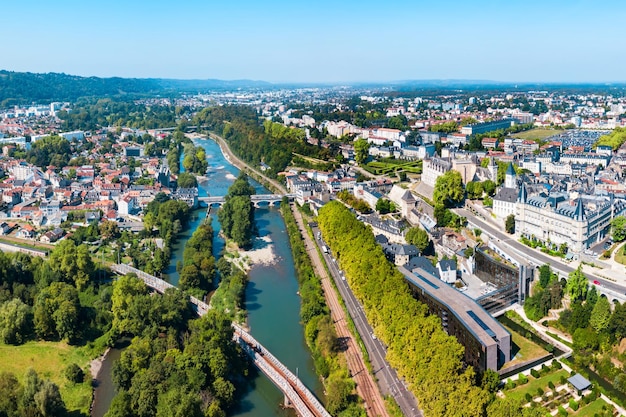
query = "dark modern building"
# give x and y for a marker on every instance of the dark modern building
(477, 128)
(487, 343)
(510, 277)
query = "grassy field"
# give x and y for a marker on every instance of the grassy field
(49, 359)
(592, 408)
(535, 134)
(523, 350)
(532, 385)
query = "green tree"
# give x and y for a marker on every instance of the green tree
(15, 321)
(48, 400)
(449, 189)
(418, 237)
(585, 340)
(489, 187)
(617, 322)
(361, 150)
(618, 228)
(237, 213)
(545, 275)
(195, 159)
(125, 290)
(384, 206)
(509, 224)
(57, 312)
(179, 402)
(600, 315)
(73, 262)
(74, 373)
(10, 394)
(577, 284)
(187, 180)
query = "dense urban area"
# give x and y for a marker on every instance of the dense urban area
(459, 251)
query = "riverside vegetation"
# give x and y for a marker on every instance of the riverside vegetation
(319, 329)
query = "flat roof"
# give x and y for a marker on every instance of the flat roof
(487, 330)
(579, 382)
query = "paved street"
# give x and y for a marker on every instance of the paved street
(388, 380)
(534, 256)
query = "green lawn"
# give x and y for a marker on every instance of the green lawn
(592, 408)
(49, 359)
(523, 349)
(390, 165)
(620, 256)
(531, 386)
(535, 134)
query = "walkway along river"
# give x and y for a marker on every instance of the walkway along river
(272, 301)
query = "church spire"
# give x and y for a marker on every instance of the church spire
(523, 194)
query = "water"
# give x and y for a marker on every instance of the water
(105, 391)
(271, 295)
(271, 299)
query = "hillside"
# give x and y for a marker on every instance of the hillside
(27, 87)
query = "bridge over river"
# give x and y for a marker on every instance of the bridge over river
(257, 199)
(296, 394)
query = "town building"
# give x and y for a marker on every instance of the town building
(477, 128)
(505, 200)
(558, 218)
(487, 343)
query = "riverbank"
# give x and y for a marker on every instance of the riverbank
(365, 385)
(236, 161)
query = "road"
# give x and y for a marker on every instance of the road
(536, 257)
(388, 380)
(365, 385)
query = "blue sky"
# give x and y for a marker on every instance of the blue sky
(319, 41)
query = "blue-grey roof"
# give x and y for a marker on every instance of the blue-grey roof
(447, 265)
(579, 382)
(424, 263)
(510, 170)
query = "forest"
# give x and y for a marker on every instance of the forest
(271, 143)
(27, 87)
(175, 365)
(46, 303)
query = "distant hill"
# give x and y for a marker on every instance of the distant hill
(27, 87)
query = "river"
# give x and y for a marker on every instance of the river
(272, 301)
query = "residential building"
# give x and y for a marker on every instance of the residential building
(447, 270)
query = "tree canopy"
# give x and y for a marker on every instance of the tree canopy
(394, 313)
(449, 189)
(236, 216)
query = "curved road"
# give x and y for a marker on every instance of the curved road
(538, 258)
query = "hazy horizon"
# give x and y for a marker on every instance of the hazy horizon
(557, 42)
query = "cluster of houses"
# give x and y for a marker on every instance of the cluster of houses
(36, 202)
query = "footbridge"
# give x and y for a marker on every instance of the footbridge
(257, 199)
(296, 394)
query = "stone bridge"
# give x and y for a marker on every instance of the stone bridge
(296, 394)
(257, 199)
